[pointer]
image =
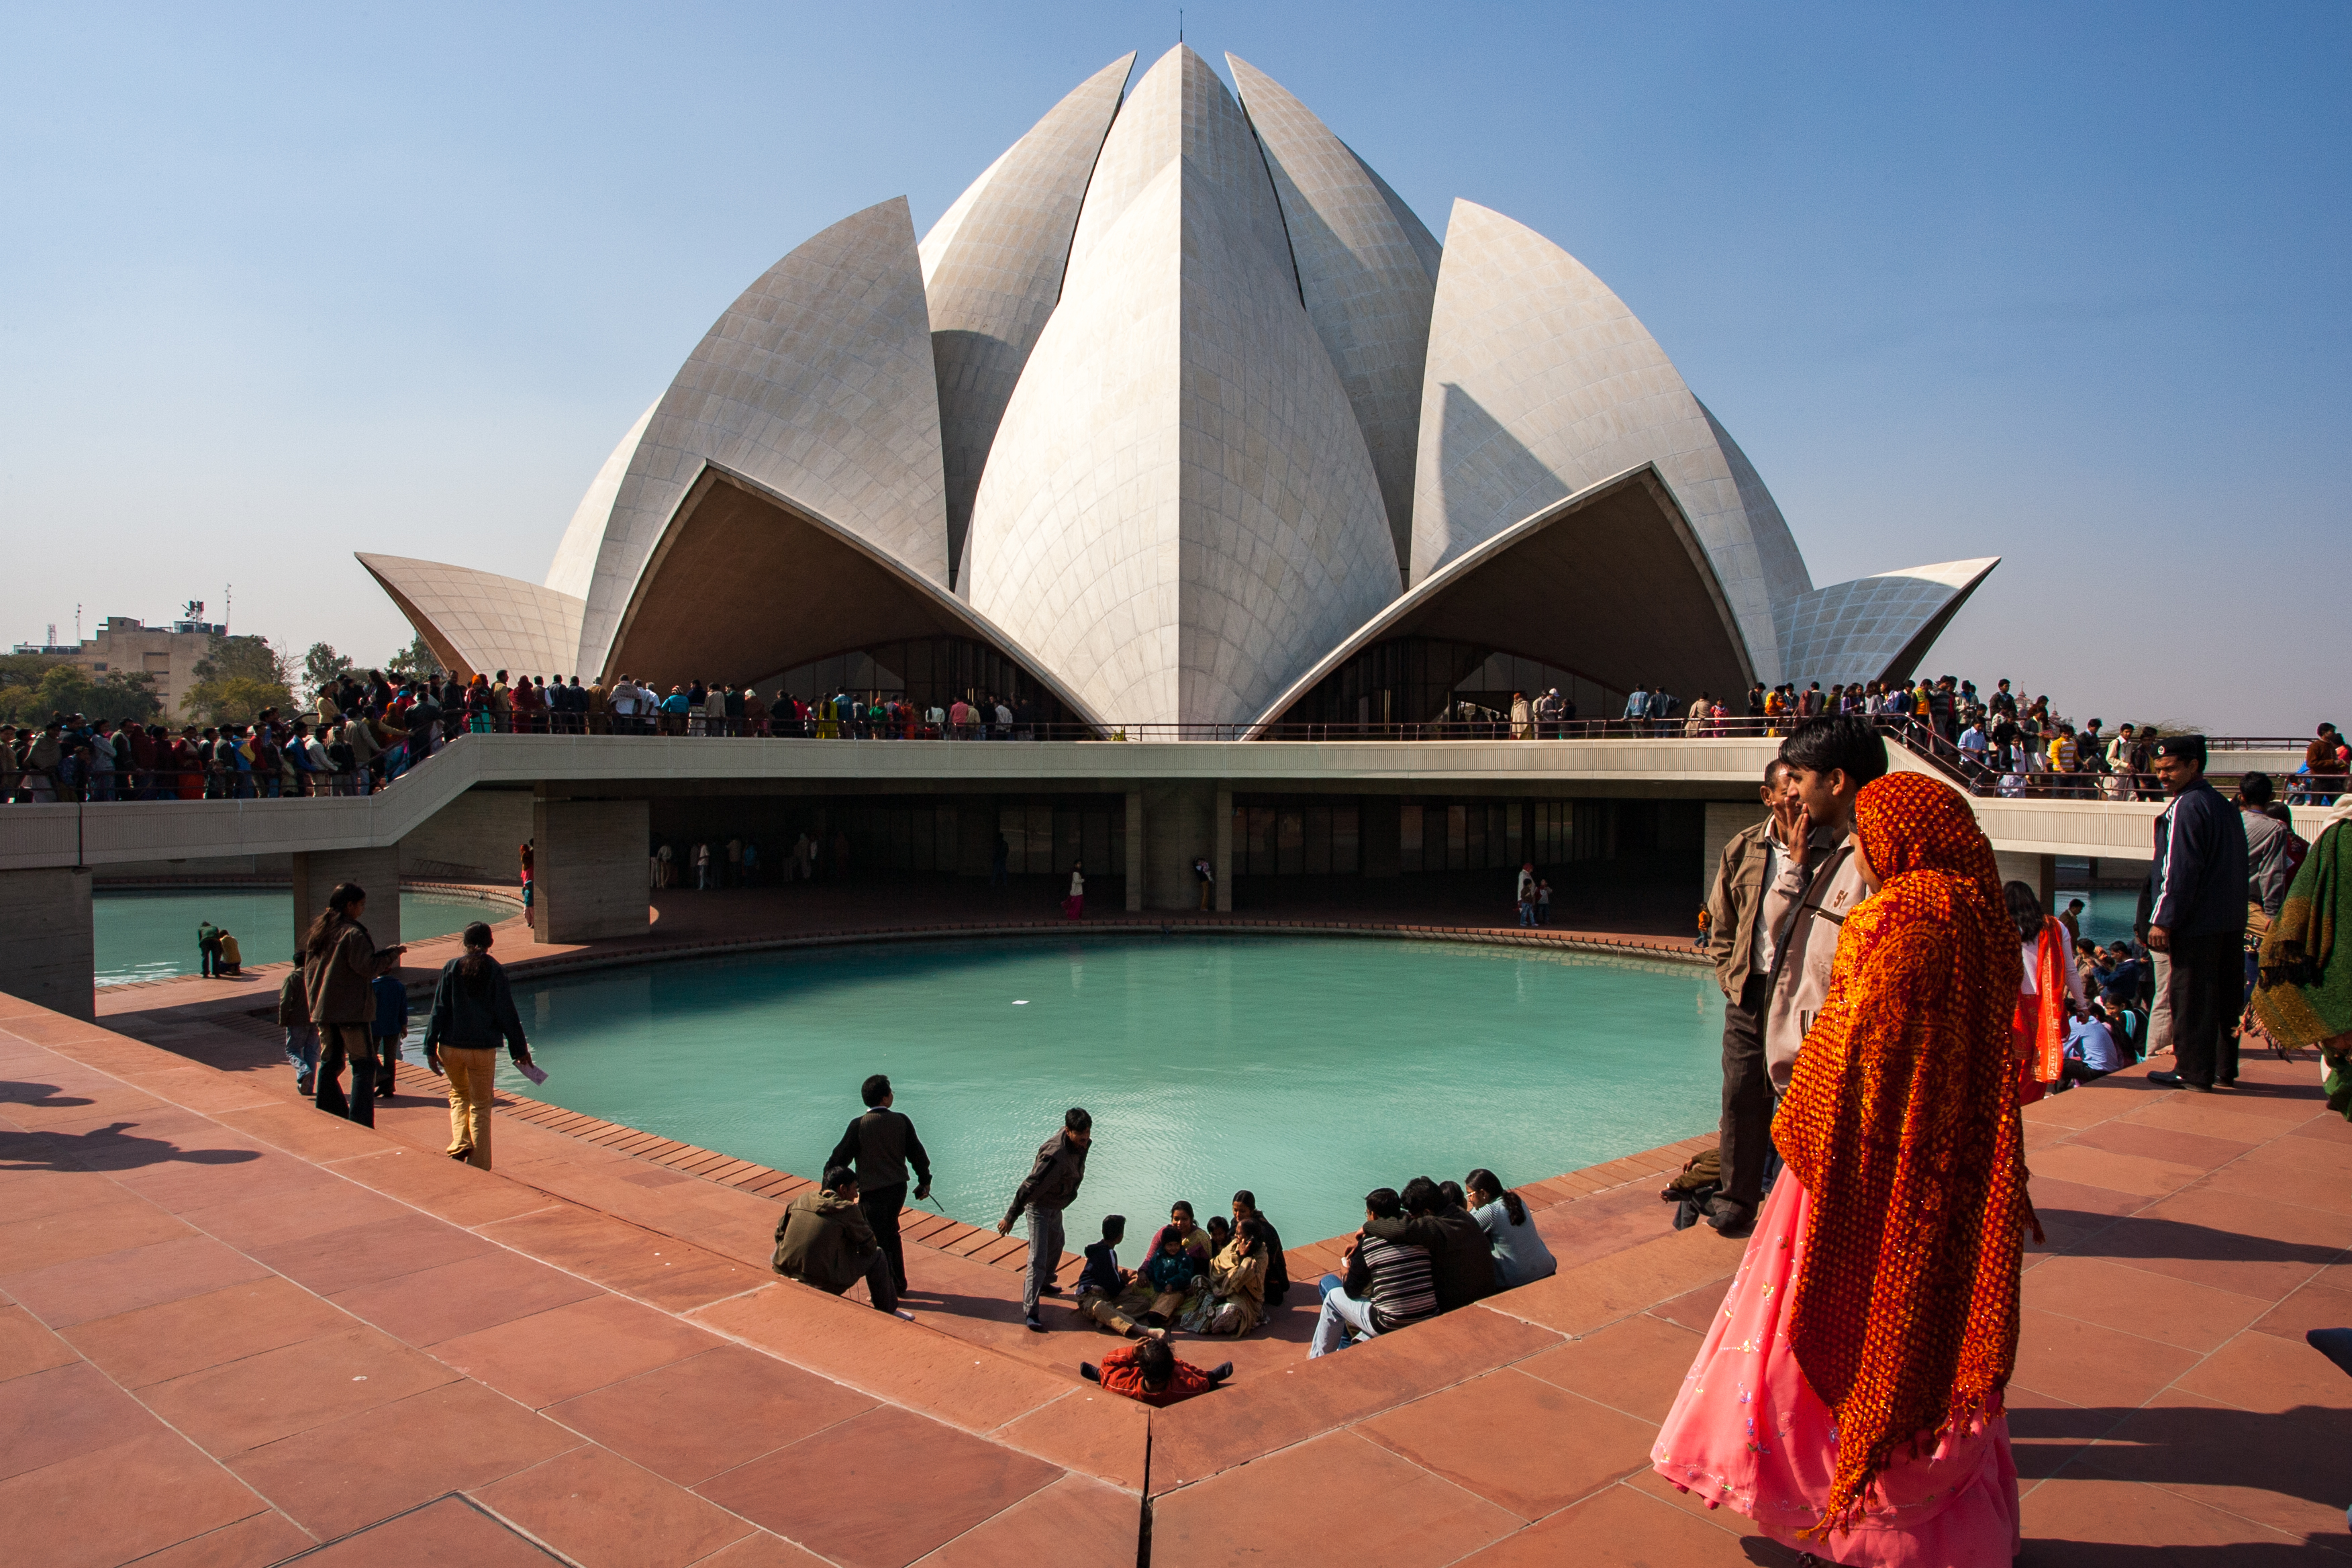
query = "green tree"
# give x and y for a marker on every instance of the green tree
(32, 688)
(413, 662)
(321, 665)
(238, 678)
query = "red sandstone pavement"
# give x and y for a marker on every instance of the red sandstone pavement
(232, 1329)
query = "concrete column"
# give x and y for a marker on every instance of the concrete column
(1134, 878)
(1725, 818)
(589, 869)
(1177, 830)
(2039, 872)
(315, 875)
(1223, 862)
(46, 950)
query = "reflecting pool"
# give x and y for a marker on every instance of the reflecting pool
(1309, 1069)
(145, 935)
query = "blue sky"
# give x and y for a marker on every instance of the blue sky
(2060, 283)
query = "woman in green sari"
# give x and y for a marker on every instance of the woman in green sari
(2303, 997)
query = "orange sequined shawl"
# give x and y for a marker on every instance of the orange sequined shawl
(1901, 1122)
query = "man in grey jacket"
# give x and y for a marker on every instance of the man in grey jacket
(1051, 1186)
(2269, 864)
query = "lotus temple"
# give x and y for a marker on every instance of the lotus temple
(1179, 416)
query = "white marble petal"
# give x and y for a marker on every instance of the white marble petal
(1178, 514)
(992, 269)
(1361, 275)
(1541, 382)
(818, 381)
(1874, 628)
(575, 566)
(479, 622)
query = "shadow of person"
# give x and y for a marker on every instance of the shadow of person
(107, 1148)
(2152, 1236)
(42, 1095)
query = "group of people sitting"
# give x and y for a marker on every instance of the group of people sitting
(1433, 1248)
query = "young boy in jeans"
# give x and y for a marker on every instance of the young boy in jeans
(301, 1034)
(390, 1028)
(1102, 1282)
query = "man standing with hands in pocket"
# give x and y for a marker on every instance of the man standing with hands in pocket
(1051, 1186)
(879, 1145)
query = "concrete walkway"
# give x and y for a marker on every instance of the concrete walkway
(234, 1329)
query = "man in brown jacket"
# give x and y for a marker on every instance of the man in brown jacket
(824, 1241)
(1757, 882)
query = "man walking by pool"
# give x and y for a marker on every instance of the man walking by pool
(1051, 1186)
(879, 1145)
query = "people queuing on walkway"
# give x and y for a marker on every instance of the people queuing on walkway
(1848, 1395)
(473, 1014)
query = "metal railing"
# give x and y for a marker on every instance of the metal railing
(1967, 770)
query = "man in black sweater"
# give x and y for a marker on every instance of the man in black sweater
(878, 1146)
(2197, 915)
(1461, 1262)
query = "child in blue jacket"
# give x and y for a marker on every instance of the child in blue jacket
(391, 1027)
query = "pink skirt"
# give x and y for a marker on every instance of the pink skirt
(1747, 1431)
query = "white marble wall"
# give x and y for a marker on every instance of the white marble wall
(1540, 382)
(992, 272)
(1855, 631)
(1367, 286)
(575, 566)
(1178, 514)
(819, 382)
(479, 622)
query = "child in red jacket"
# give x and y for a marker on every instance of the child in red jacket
(1150, 1372)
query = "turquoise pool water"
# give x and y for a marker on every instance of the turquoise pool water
(2106, 912)
(153, 935)
(1310, 1070)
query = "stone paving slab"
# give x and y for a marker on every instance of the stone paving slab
(205, 1247)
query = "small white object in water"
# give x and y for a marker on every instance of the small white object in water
(1023, 1003)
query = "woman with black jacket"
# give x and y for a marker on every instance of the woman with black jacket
(473, 1010)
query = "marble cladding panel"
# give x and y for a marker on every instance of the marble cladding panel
(818, 381)
(1074, 530)
(1541, 382)
(1180, 111)
(489, 622)
(992, 272)
(1365, 282)
(1854, 631)
(575, 566)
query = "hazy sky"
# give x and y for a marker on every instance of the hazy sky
(2063, 284)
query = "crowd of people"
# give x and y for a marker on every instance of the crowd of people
(1433, 1247)
(1891, 1005)
(365, 730)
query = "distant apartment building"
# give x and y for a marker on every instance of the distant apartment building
(125, 643)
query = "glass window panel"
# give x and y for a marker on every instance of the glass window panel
(1068, 841)
(1012, 822)
(1040, 815)
(1457, 839)
(949, 856)
(1319, 841)
(1408, 835)
(1514, 836)
(1479, 839)
(923, 833)
(1261, 841)
(1290, 848)
(1346, 831)
(1097, 843)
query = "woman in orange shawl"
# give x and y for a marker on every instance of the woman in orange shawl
(1848, 1397)
(2049, 997)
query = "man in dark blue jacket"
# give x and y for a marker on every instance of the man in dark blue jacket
(2197, 915)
